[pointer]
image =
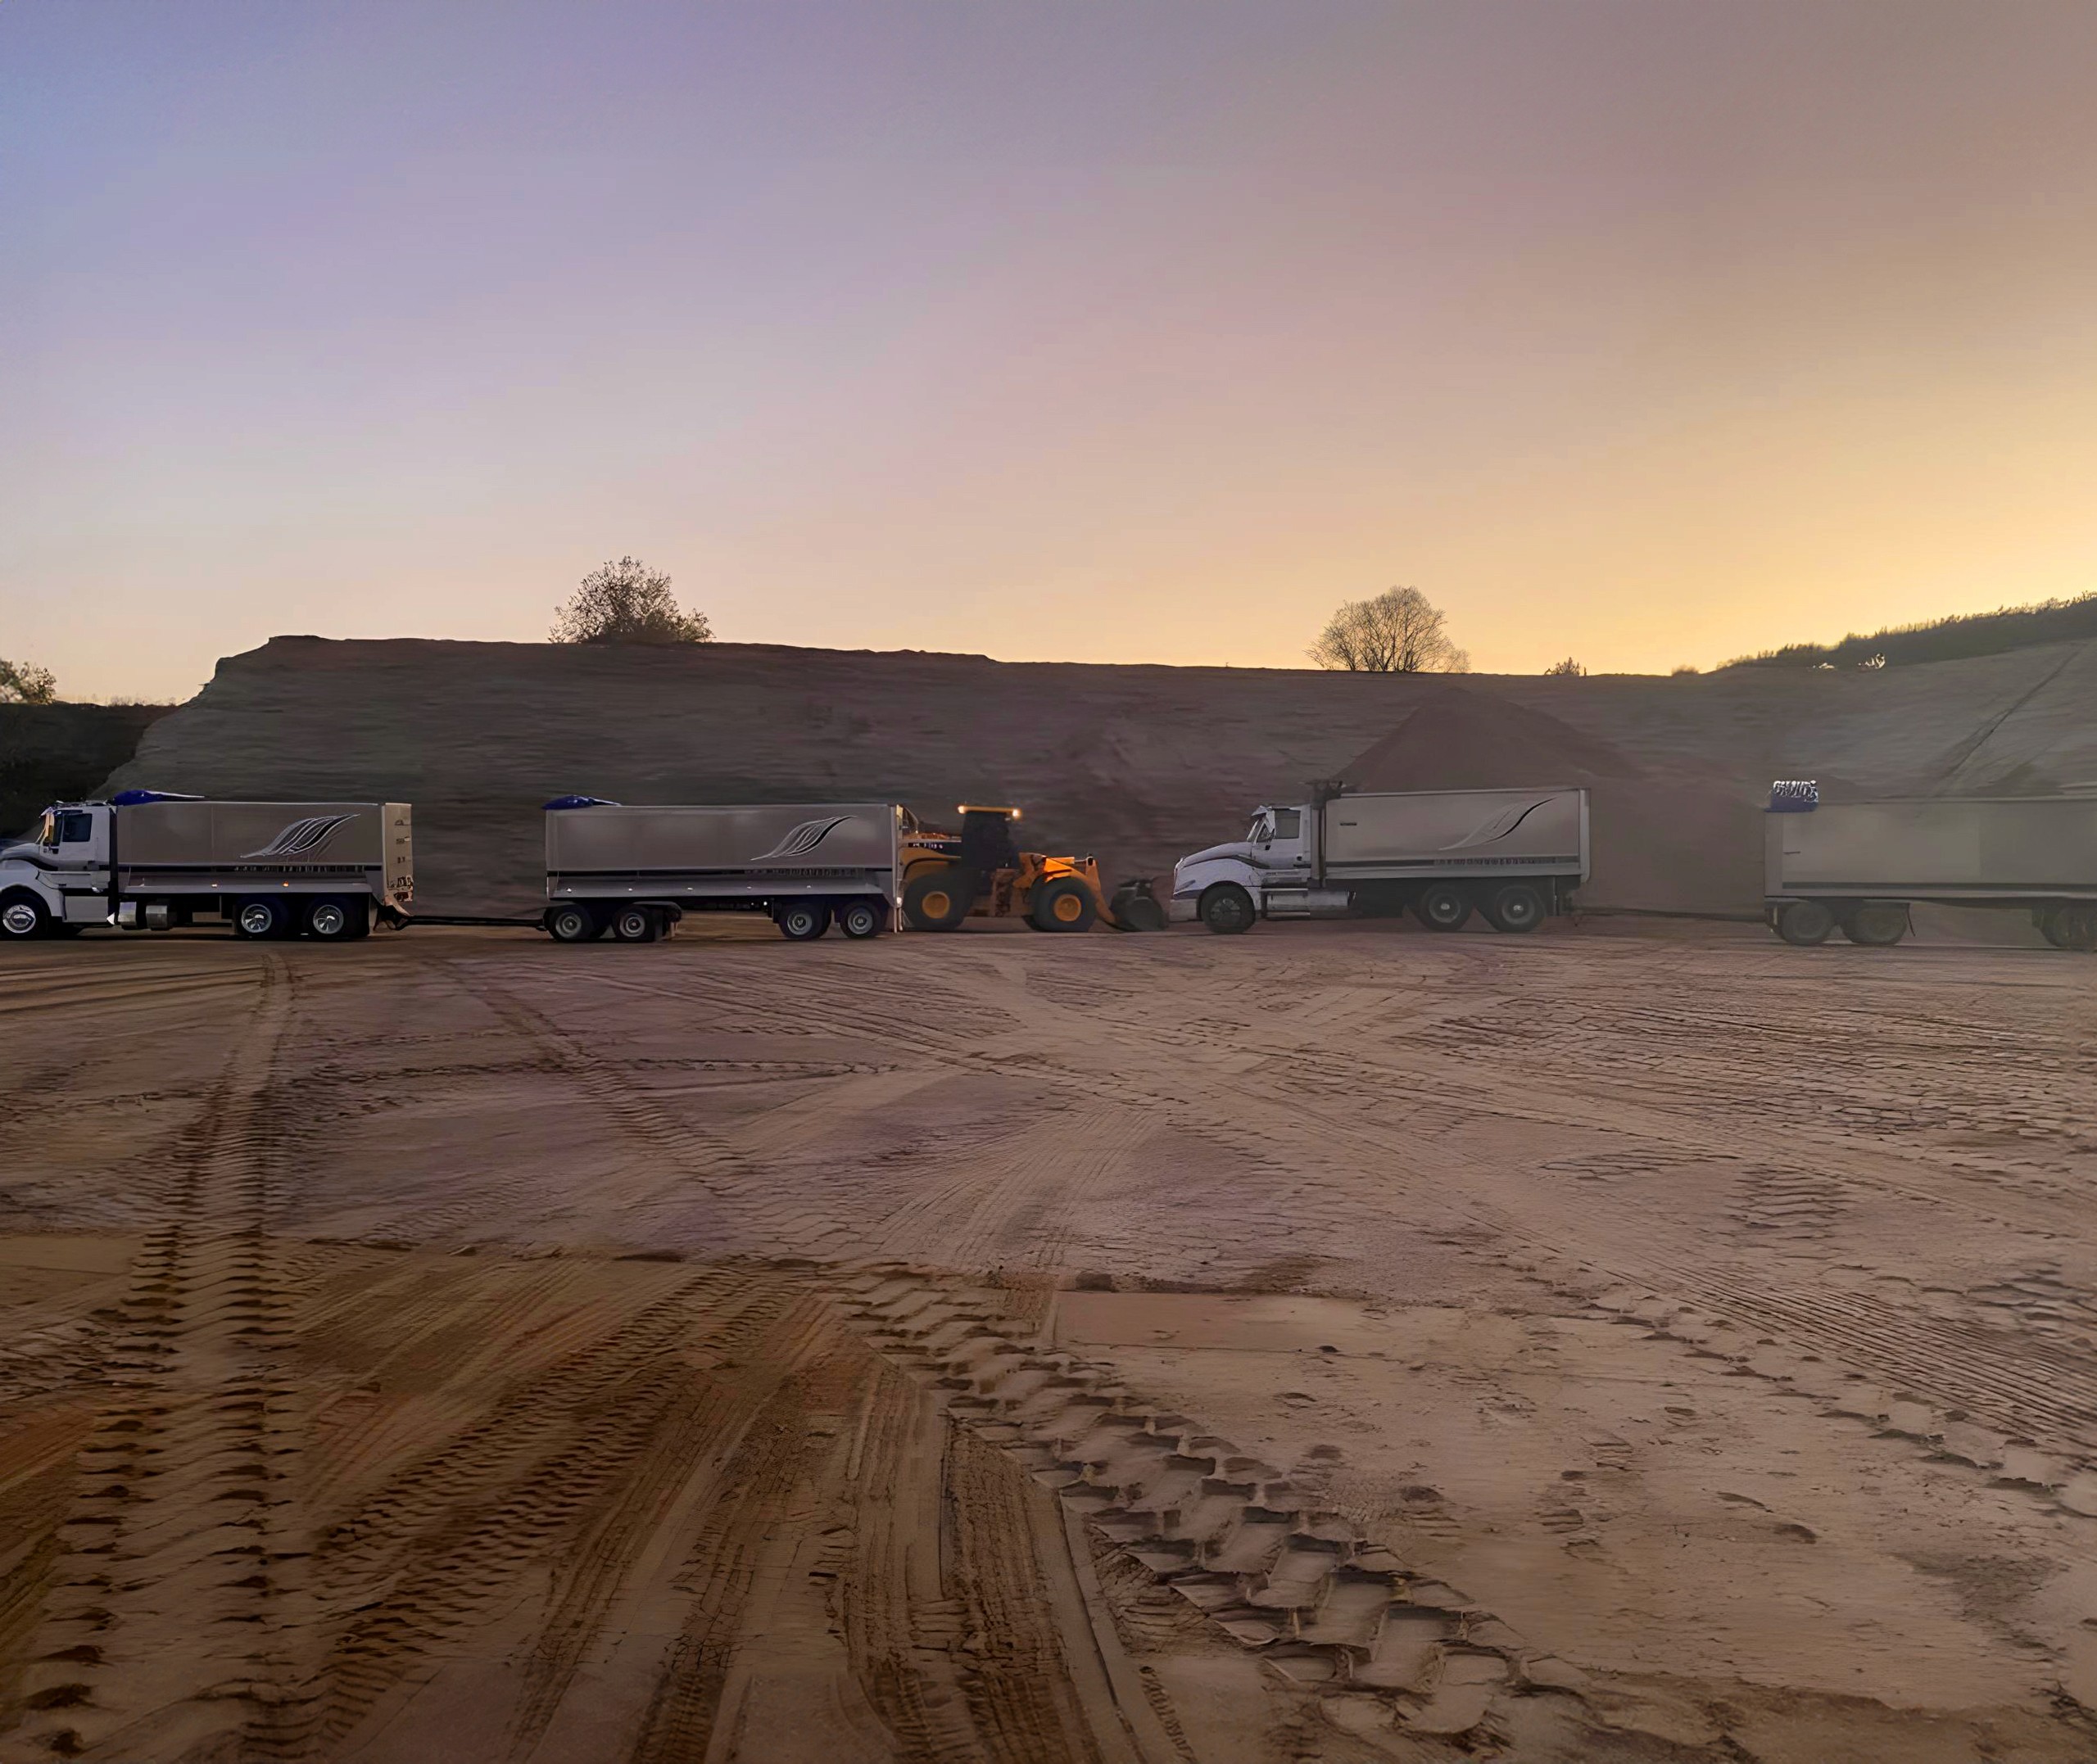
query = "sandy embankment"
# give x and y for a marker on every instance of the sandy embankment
(1139, 764)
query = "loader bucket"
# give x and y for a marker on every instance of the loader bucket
(1134, 907)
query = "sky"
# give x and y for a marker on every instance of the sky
(1647, 332)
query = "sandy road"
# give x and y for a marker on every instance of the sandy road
(1335, 1343)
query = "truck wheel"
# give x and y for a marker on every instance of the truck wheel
(1444, 906)
(23, 917)
(1515, 907)
(334, 921)
(636, 925)
(863, 918)
(266, 917)
(1063, 905)
(1227, 909)
(1877, 923)
(940, 899)
(573, 924)
(804, 921)
(1806, 923)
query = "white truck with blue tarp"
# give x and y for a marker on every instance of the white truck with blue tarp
(152, 860)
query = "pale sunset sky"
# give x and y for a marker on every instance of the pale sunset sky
(1646, 331)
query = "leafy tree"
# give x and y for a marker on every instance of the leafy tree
(627, 602)
(1397, 632)
(24, 683)
(1568, 667)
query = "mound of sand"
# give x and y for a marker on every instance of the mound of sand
(1139, 764)
(1689, 840)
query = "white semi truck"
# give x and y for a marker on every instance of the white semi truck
(149, 861)
(1513, 856)
(1858, 867)
(635, 870)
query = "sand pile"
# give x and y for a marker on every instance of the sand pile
(1139, 764)
(1682, 837)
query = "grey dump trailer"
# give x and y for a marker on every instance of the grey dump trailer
(634, 870)
(1858, 867)
(147, 861)
(1514, 856)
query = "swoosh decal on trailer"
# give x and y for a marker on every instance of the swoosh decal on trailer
(302, 837)
(800, 841)
(1496, 826)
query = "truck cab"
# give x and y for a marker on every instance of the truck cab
(1276, 854)
(57, 878)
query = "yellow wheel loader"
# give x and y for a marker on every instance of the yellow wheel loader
(981, 872)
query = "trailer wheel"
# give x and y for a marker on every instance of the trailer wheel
(863, 917)
(2057, 925)
(334, 921)
(1806, 923)
(804, 922)
(1227, 909)
(1444, 906)
(938, 900)
(636, 925)
(23, 917)
(1876, 923)
(1063, 905)
(573, 924)
(1515, 907)
(265, 916)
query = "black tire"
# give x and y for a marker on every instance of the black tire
(1516, 906)
(938, 900)
(262, 918)
(1062, 904)
(333, 920)
(1227, 909)
(1444, 906)
(23, 917)
(1876, 923)
(2057, 925)
(572, 922)
(803, 921)
(636, 925)
(1807, 924)
(863, 917)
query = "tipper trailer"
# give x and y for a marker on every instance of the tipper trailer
(1858, 867)
(149, 861)
(635, 870)
(1514, 856)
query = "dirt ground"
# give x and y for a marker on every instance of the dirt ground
(1640, 1341)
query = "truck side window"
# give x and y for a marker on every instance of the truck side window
(1289, 823)
(75, 829)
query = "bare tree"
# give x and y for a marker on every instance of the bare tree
(24, 683)
(1398, 632)
(627, 602)
(1569, 667)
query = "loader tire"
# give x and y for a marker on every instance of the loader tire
(1063, 905)
(1227, 909)
(940, 899)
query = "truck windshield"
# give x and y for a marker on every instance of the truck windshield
(1260, 832)
(49, 834)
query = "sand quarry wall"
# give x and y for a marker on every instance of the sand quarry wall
(1139, 764)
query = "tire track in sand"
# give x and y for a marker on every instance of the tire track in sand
(177, 1605)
